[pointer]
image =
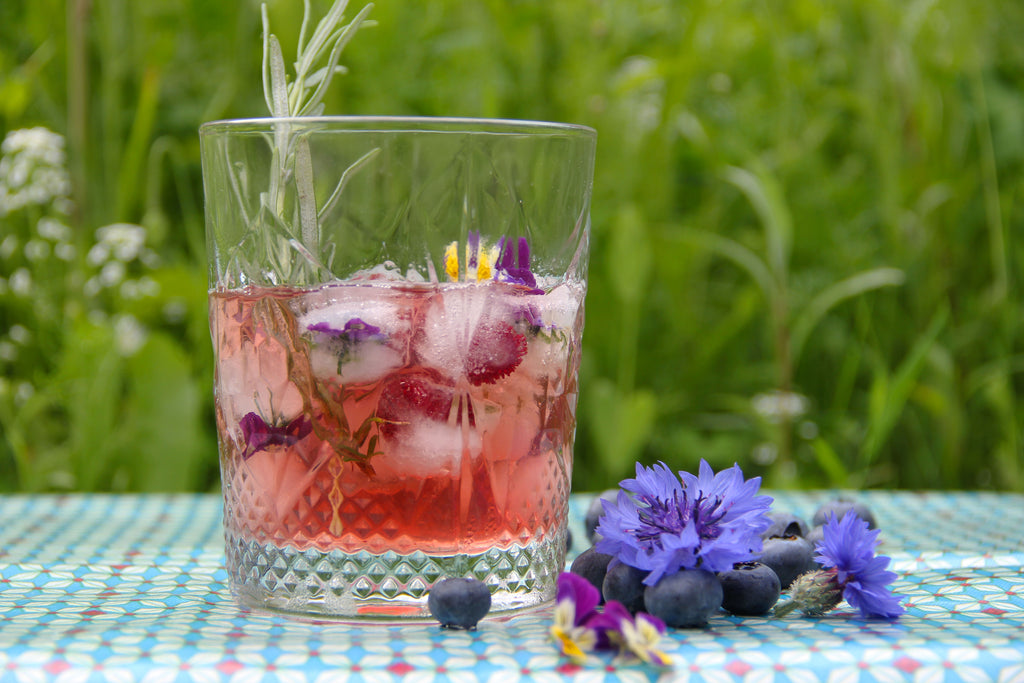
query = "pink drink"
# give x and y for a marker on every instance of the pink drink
(390, 416)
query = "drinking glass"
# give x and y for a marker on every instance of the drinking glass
(396, 306)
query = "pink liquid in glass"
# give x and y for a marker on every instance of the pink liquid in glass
(393, 416)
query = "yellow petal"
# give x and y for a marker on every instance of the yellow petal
(451, 261)
(483, 271)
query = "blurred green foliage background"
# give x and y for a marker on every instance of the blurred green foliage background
(806, 220)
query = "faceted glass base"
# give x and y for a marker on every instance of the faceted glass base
(389, 586)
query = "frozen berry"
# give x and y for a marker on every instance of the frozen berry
(749, 589)
(785, 524)
(788, 556)
(494, 352)
(459, 603)
(685, 599)
(592, 566)
(839, 507)
(625, 584)
(406, 398)
(596, 511)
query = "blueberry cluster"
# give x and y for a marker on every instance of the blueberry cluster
(686, 598)
(689, 597)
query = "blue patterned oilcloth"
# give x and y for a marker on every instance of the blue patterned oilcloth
(132, 588)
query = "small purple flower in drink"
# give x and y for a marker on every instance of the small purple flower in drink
(514, 263)
(661, 524)
(529, 320)
(473, 250)
(355, 331)
(259, 435)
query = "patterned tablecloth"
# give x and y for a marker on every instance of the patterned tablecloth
(131, 588)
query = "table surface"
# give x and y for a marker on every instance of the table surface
(131, 588)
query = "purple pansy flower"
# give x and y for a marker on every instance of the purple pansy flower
(579, 627)
(638, 634)
(847, 548)
(514, 262)
(662, 524)
(576, 609)
(259, 435)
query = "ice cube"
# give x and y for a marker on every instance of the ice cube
(358, 334)
(467, 334)
(559, 308)
(426, 448)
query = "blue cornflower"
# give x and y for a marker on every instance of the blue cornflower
(852, 571)
(848, 548)
(661, 523)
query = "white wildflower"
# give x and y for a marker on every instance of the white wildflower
(53, 230)
(776, 406)
(23, 392)
(21, 282)
(32, 169)
(124, 240)
(92, 287)
(37, 250)
(148, 286)
(149, 258)
(19, 334)
(130, 290)
(98, 255)
(129, 334)
(8, 246)
(175, 311)
(142, 288)
(111, 274)
(8, 352)
(65, 251)
(765, 453)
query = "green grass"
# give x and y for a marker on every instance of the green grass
(809, 198)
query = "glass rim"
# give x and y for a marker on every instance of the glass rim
(403, 124)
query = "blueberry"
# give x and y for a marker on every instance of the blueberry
(840, 507)
(815, 535)
(592, 566)
(749, 589)
(685, 599)
(459, 603)
(625, 584)
(568, 539)
(788, 557)
(596, 511)
(785, 524)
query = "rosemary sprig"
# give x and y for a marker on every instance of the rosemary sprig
(303, 95)
(289, 233)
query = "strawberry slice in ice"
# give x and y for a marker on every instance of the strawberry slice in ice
(468, 334)
(495, 351)
(410, 398)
